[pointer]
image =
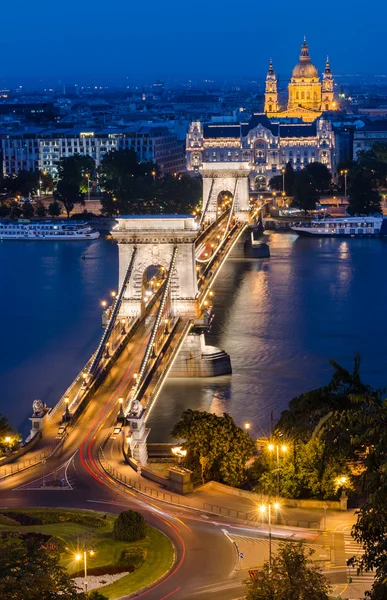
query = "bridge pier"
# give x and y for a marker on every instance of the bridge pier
(196, 359)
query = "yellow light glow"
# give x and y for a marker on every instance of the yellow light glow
(262, 508)
(284, 448)
(270, 447)
(276, 506)
(8, 439)
(78, 557)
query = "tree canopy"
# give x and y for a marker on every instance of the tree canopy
(133, 187)
(292, 576)
(305, 195)
(216, 447)
(29, 570)
(363, 198)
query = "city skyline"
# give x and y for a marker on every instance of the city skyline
(141, 41)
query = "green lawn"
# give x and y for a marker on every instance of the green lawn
(159, 559)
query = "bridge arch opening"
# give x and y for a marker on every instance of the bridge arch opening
(152, 279)
(223, 202)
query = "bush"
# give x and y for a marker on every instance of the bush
(129, 526)
(22, 518)
(55, 516)
(95, 595)
(134, 557)
(4, 520)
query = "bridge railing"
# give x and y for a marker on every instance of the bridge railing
(138, 485)
(113, 316)
(155, 329)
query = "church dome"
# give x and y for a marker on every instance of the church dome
(304, 69)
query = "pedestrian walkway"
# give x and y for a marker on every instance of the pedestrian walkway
(213, 501)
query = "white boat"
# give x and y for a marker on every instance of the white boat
(343, 227)
(23, 229)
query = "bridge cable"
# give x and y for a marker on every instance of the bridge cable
(207, 204)
(145, 360)
(207, 260)
(115, 309)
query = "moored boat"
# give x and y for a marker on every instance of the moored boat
(343, 227)
(23, 229)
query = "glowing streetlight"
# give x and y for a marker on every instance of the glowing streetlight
(345, 173)
(262, 510)
(78, 558)
(104, 304)
(179, 452)
(247, 426)
(276, 448)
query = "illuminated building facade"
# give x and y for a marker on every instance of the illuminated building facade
(308, 97)
(260, 147)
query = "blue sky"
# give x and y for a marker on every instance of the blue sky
(206, 38)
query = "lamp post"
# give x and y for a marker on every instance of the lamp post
(283, 182)
(179, 452)
(67, 413)
(88, 186)
(262, 509)
(78, 557)
(345, 173)
(276, 448)
(121, 413)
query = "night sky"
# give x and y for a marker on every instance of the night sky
(173, 38)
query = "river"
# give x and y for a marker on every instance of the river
(281, 320)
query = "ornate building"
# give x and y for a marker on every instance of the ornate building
(308, 97)
(261, 147)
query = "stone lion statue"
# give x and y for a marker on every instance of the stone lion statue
(136, 408)
(37, 407)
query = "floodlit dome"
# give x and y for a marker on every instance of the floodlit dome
(304, 69)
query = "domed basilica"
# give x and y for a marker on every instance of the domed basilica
(308, 97)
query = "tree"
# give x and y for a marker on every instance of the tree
(46, 182)
(15, 209)
(275, 183)
(40, 209)
(28, 210)
(370, 530)
(5, 209)
(129, 526)
(29, 570)
(292, 576)
(305, 196)
(54, 209)
(321, 177)
(289, 179)
(69, 194)
(26, 183)
(75, 169)
(7, 431)
(217, 448)
(93, 595)
(364, 199)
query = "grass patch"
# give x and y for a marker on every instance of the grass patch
(147, 559)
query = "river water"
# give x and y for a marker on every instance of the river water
(281, 320)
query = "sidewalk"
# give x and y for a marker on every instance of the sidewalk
(209, 500)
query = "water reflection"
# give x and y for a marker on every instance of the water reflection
(281, 320)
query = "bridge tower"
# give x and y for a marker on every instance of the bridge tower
(163, 240)
(226, 177)
(155, 238)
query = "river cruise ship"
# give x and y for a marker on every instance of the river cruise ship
(23, 229)
(343, 227)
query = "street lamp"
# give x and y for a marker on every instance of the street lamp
(262, 509)
(123, 323)
(283, 182)
(78, 557)
(88, 186)
(121, 413)
(179, 452)
(67, 413)
(247, 426)
(345, 173)
(276, 448)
